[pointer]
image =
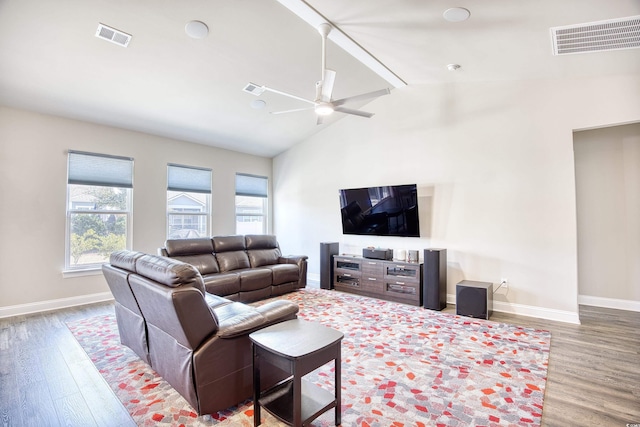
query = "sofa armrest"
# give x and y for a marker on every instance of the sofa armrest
(301, 261)
(239, 319)
(276, 311)
(241, 324)
(293, 259)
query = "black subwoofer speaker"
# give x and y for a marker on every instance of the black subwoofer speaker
(327, 251)
(474, 299)
(434, 279)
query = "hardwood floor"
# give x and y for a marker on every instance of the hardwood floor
(46, 378)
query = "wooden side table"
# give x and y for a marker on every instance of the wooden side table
(297, 347)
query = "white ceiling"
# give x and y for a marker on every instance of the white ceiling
(168, 84)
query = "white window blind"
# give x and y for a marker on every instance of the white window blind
(100, 169)
(251, 185)
(188, 179)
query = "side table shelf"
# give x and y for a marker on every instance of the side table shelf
(314, 401)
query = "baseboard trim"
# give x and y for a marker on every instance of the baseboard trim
(619, 304)
(55, 304)
(530, 311)
(313, 279)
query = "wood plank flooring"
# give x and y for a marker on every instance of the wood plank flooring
(46, 378)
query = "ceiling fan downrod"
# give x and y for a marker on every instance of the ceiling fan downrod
(324, 29)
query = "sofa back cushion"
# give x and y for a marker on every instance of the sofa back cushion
(197, 252)
(205, 263)
(228, 244)
(260, 257)
(180, 247)
(169, 272)
(179, 312)
(234, 260)
(262, 249)
(261, 241)
(125, 259)
(230, 253)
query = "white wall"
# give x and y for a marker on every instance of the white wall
(608, 199)
(495, 174)
(33, 173)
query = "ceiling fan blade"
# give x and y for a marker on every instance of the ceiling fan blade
(291, 111)
(327, 84)
(279, 92)
(368, 95)
(320, 120)
(354, 112)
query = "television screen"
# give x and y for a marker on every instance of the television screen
(380, 211)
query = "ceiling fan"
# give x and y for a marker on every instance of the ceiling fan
(323, 104)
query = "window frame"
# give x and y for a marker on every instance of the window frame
(257, 192)
(119, 182)
(181, 184)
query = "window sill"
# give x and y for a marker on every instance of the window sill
(94, 271)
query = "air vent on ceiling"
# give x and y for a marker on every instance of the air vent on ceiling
(254, 89)
(113, 35)
(611, 34)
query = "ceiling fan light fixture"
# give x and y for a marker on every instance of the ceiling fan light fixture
(323, 109)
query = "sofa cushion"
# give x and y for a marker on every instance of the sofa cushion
(228, 243)
(278, 310)
(254, 279)
(260, 257)
(284, 273)
(205, 263)
(237, 318)
(125, 259)
(260, 241)
(234, 260)
(169, 272)
(222, 284)
(215, 301)
(180, 247)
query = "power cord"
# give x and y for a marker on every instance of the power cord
(499, 286)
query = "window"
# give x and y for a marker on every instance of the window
(251, 204)
(99, 189)
(188, 202)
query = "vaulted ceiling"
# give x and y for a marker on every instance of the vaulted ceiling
(169, 84)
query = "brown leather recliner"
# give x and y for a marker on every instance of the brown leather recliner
(131, 323)
(198, 342)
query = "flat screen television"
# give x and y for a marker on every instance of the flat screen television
(380, 211)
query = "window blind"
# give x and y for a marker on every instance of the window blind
(188, 179)
(100, 169)
(251, 185)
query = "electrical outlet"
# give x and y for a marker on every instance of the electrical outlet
(505, 282)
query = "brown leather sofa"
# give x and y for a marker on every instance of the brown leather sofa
(241, 268)
(198, 342)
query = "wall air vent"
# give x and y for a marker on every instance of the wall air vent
(113, 35)
(611, 34)
(254, 89)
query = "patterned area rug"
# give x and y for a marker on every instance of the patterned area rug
(401, 366)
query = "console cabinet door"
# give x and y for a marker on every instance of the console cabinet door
(403, 281)
(346, 272)
(373, 276)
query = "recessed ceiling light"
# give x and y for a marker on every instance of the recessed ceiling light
(453, 67)
(456, 14)
(258, 104)
(196, 29)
